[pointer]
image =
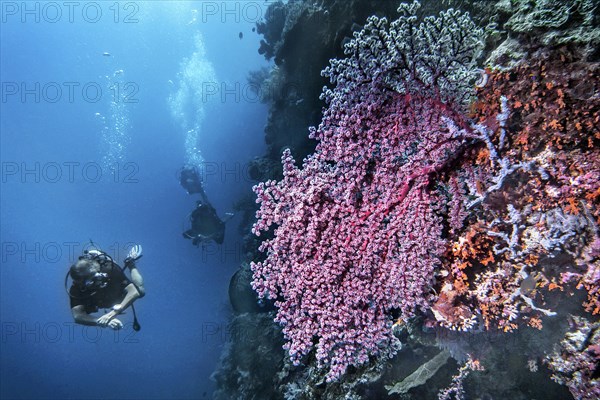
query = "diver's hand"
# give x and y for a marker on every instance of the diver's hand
(115, 324)
(105, 320)
(134, 253)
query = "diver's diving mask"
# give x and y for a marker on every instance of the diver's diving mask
(97, 281)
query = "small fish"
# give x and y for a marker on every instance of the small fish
(241, 35)
(106, 54)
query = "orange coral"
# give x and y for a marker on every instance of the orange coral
(554, 123)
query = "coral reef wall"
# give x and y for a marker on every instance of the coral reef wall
(301, 37)
(440, 237)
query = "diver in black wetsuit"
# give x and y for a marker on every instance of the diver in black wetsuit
(206, 224)
(191, 181)
(98, 282)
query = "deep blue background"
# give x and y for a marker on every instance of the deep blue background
(184, 315)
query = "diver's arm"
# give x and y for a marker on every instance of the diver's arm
(81, 317)
(137, 280)
(131, 296)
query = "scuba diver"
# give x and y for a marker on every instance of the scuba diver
(99, 282)
(206, 225)
(190, 180)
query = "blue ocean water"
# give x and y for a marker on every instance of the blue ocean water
(98, 102)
